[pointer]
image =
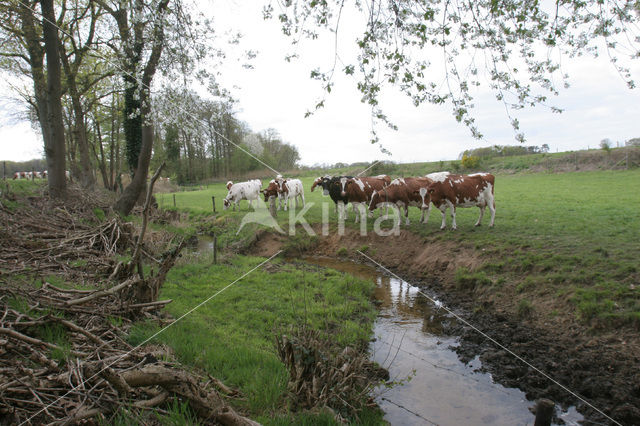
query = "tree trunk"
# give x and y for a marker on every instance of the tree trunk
(54, 148)
(102, 161)
(85, 177)
(139, 182)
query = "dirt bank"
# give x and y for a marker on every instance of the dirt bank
(600, 366)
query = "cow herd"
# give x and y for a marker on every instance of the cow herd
(443, 190)
(36, 175)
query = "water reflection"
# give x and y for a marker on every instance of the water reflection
(411, 342)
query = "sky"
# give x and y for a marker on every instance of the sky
(276, 94)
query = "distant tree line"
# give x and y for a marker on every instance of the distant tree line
(203, 139)
(503, 151)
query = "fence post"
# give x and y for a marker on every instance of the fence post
(174, 200)
(544, 412)
(213, 203)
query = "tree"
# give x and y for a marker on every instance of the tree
(439, 52)
(605, 144)
(26, 41)
(84, 18)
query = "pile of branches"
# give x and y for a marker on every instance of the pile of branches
(64, 355)
(92, 371)
(323, 378)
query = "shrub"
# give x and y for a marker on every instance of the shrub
(470, 161)
(525, 308)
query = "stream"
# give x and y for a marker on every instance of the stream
(411, 342)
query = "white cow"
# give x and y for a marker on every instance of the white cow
(249, 191)
(291, 188)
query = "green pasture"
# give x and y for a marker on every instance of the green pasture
(574, 234)
(232, 336)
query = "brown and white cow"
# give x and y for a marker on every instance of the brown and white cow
(272, 190)
(403, 192)
(358, 191)
(462, 191)
(291, 188)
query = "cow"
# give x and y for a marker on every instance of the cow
(358, 191)
(249, 191)
(331, 187)
(436, 177)
(402, 192)
(291, 188)
(272, 190)
(18, 175)
(462, 191)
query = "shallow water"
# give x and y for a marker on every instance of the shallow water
(436, 388)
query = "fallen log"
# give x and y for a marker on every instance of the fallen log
(206, 403)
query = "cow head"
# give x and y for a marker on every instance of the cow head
(423, 195)
(344, 184)
(226, 203)
(376, 198)
(271, 191)
(325, 183)
(229, 185)
(316, 182)
(282, 186)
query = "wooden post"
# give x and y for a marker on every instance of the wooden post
(215, 249)
(213, 203)
(544, 412)
(174, 200)
(272, 206)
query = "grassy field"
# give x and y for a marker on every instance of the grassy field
(575, 234)
(232, 336)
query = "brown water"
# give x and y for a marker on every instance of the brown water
(410, 342)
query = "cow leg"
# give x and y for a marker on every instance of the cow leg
(356, 210)
(286, 201)
(406, 215)
(453, 215)
(443, 210)
(481, 214)
(426, 218)
(492, 209)
(302, 196)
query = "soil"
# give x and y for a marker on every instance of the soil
(585, 367)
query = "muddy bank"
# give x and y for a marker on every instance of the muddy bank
(603, 368)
